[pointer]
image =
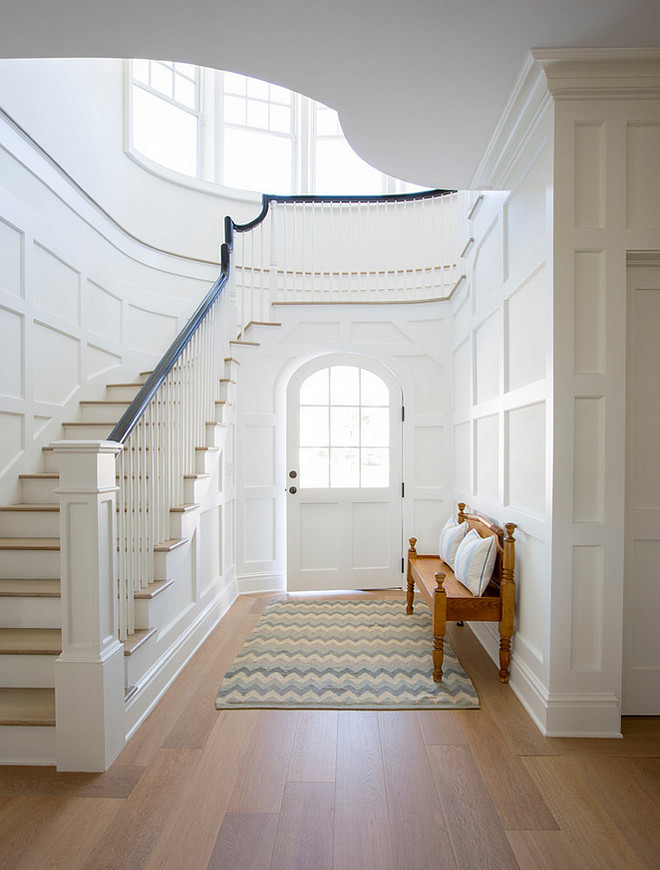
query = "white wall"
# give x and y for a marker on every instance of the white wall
(502, 420)
(74, 109)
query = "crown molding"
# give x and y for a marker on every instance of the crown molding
(527, 104)
(549, 75)
(600, 73)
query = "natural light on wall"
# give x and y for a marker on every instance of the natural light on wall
(244, 134)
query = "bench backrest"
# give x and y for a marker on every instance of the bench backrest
(485, 528)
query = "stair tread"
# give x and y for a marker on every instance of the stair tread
(40, 475)
(28, 588)
(104, 402)
(30, 641)
(24, 506)
(29, 543)
(169, 545)
(27, 706)
(135, 640)
(152, 590)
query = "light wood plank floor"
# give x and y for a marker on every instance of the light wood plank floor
(341, 790)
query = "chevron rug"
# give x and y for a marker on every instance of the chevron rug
(348, 654)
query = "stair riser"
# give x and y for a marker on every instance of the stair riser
(30, 613)
(194, 489)
(29, 524)
(223, 413)
(22, 744)
(94, 433)
(216, 435)
(103, 413)
(40, 491)
(227, 391)
(51, 461)
(27, 671)
(35, 564)
(121, 394)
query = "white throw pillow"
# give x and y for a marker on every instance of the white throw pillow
(450, 537)
(475, 560)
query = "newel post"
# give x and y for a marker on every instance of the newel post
(89, 674)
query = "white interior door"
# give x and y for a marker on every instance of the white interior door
(641, 659)
(344, 487)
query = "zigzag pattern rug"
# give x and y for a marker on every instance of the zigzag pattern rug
(348, 654)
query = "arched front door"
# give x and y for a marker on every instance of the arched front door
(344, 489)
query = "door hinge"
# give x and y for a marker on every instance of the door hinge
(403, 490)
(403, 565)
(403, 413)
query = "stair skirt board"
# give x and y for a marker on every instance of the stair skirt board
(27, 744)
(155, 681)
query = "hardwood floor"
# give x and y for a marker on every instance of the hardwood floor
(341, 790)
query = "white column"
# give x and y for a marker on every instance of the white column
(89, 675)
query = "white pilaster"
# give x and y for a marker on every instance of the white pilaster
(89, 675)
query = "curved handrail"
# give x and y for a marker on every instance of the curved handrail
(267, 198)
(140, 403)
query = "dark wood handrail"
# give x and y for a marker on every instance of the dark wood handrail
(267, 198)
(141, 402)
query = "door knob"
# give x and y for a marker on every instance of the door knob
(293, 490)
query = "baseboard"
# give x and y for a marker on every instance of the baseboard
(559, 714)
(249, 584)
(157, 680)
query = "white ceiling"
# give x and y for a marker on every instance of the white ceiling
(419, 84)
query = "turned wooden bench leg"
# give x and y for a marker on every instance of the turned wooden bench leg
(439, 626)
(508, 593)
(410, 593)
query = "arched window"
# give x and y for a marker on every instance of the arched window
(244, 133)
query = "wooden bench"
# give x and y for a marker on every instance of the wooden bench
(450, 600)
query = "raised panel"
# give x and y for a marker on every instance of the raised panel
(11, 341)
(98, 360)
(370, 535)
(319, 536)
(589, 312)
(54, 382)
(429, 456)
(11, 443)
(377, 333)
(589, 460)
(463, 376)
(259, 455)
(312, 333)
(428, 381)
(526, 458)
(643, 178)
(259, 529)
(209, 561)
(589, 179)
(527, 331)
(487, 265)
(149, 331)
(587, 609)
(643, 598)
(645, 397)
(462, 458)
(488, 355)
(11, 259)
(103, 312)
(525, 213)
(531, 576)
(55, 284)
(487, 457)
(429, 516)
